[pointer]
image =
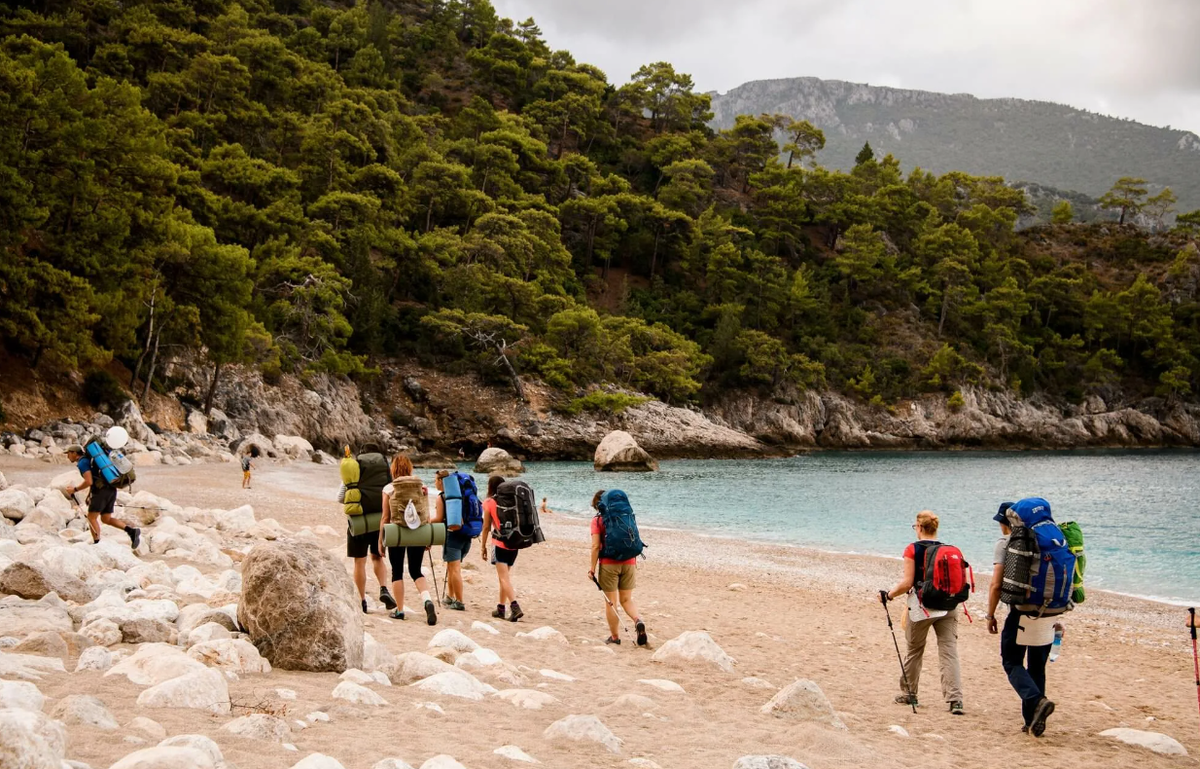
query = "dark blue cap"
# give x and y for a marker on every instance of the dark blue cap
(1001, 515)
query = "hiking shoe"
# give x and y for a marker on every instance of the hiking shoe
(906, 699)
(956, 708)
(396, 614)
(516, 612)
(430, 613)
(613, 641)
(640, 627)
(498, 612)
(1044, 709)
(365, 610)
(448, 602)
(386, 599)
(135, 538)
(458, 605)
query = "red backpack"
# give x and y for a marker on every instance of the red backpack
(946, 580)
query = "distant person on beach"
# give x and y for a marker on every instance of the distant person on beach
(247, 466)
(1024, 665)
(360, 546)
(918, 621)
(102, 498)
(453, 552)
(545, 508)
(402, 467)
(502, 556)
(616, 576)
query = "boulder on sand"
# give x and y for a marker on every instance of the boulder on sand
(694, 646)
(34, 581)
(1153, 741)
(768, 762)
(494, 461)
(620, 453)
(583, 729)
(300, 608)
(803, 700)
(30, 740)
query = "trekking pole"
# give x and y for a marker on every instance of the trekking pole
(1195, 654)
(610, 603)
(432, 569)
(883, 598)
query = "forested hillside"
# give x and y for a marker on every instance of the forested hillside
(312, 187)
(1032, 141)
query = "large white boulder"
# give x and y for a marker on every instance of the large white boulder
(1154, 741)
(293, 446)
(583, 729)
(694, 646)
(197, 742)
(15, 504)
(209, 631)
(203, 689)
(20, 695)
(166, 758)
(86, 710)
(619, 452)
(442, 762)
(356, 694)
(155, 663)
(32, 581)
(259, 726)
(30, 740)
(238, 521)
(376, 656)
(29, 667)
(300, 608)
(496, 461)
(456, 683)
(513, 753)
(318, 761)
(78, 562)
(232, 654)
(545, 633)
(413, 666)
(197, 423)
(96, 658)
(803, 700)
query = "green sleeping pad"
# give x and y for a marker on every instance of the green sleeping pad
(362, 524)
(395, 535)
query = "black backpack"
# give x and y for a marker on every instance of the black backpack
(373, 475)
(516, 510)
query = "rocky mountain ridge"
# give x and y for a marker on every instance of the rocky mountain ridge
(1052, 144)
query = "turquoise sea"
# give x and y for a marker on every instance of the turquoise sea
(1139, 510)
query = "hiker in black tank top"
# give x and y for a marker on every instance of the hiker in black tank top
(918, 622)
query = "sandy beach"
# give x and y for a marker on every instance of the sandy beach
(783, 613)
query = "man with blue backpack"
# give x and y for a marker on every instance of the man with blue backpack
(616, 545)
(1034, 573)
(459, 507)
(103, 495)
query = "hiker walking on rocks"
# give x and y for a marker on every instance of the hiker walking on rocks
(373, 467)
(458, 544)
(612, 565)
(925, 613)
(1024, 664)
(503, 556)
(402, 467)
(102, 498)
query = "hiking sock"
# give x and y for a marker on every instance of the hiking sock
(425, 595)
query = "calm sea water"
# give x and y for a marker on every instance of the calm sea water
(1138, 510)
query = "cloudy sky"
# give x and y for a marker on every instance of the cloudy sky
(1128, 58)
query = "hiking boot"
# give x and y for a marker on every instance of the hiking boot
(956, 708)
(386, 599)
(498, 612)
(640, 627)
(458, 605)
(365, 609)
(516, 612)
(396, 614)
(613, 641)
(906, 699)
(448, 602)
(135, 538)
(1044, 709)
(430, 613)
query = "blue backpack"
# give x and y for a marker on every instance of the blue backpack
(464, 511)
(621, 538)
(1049, 563)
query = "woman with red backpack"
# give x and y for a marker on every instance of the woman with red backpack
(929, 609)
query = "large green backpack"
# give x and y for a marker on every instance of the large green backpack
(1074, 536)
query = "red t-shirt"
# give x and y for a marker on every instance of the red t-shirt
(910, 553)
(489, 508)
(598, 528)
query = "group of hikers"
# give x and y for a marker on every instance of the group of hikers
(390, 510)
(1037, 569)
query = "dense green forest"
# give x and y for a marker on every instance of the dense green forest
(311, 186)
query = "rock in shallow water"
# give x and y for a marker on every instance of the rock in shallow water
(619, 452)
(300, 608)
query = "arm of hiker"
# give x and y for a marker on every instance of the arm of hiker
(994, 596)
(439, 511)
(595, 557)
(483, 537)
(87, 481)
(386, 517)
(906, 583)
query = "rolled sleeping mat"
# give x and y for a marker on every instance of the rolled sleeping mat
(453, 501)
(363, 524)
(396, 535)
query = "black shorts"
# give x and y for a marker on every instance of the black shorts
(506, 557)
(102, 500)
(359, 546)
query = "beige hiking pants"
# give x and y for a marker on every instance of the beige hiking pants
(915, 634)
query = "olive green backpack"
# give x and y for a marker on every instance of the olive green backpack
(1074, 535)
